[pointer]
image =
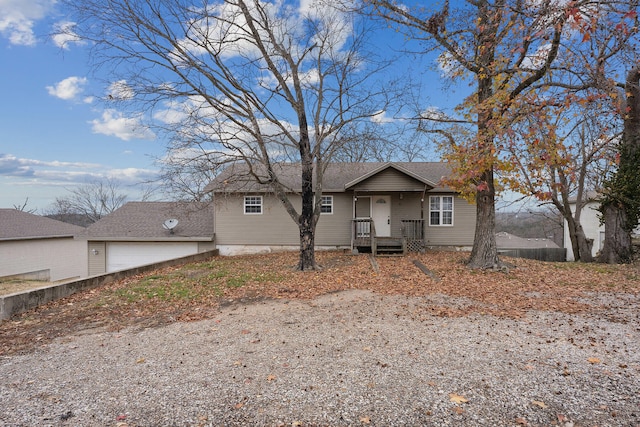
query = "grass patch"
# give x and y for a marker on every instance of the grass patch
(193, 281)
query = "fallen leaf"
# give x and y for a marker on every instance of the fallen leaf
(593, 360)
(239, 405)
(456, 398)
(521, 421)
(271, 377)
(365, 420)
(141, 360)
(296, 424)
(539, 403)
(245, 332)
(458, 410)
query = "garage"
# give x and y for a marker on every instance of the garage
(123, 255)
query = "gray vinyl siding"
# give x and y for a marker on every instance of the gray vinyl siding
(463, 229)
(274, 226)
(389, 180)
(98, 261)
(406, 208)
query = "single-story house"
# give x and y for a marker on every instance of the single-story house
(34, 247)
(141, 233)
(364, 206)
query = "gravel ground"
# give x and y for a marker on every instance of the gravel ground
(351, 358)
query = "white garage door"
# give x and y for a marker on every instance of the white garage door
(121, 256)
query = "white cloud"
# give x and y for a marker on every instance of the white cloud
(120, 90)
(18, 18)
(538, 58)
(64, 35)
(381, 117)
(113, 123)
(68, 89)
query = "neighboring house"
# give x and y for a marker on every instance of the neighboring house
(506, 240)
(590, 220)
(38, 248)
(139, 233)
(360, 202)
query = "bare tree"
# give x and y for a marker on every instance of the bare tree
(23, 207)
(92, 200)
(249, 81)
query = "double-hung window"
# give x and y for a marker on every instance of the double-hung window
(326, 205)
(253, 205)
(440, 210)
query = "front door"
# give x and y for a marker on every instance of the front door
(381, 215)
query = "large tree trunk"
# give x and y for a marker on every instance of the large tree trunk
(485, 251)
(621, 203)
(306, 221)
(617, 246)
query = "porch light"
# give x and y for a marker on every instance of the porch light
(95, 251)
(401, 196)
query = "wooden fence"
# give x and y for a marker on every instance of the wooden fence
(540, 254)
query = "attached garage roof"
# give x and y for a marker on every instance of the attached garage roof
(18, 225)
(143, 221)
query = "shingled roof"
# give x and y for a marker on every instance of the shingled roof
(18, 225)
(336, 177)
(143, 221)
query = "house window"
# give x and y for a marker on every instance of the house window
(326, 205)
(441, 210)
(252, 205)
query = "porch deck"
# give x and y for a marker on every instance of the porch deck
(363, 237)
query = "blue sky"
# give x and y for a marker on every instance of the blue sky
(54, 132)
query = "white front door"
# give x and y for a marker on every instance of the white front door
(381, 215)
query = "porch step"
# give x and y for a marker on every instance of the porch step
(389, 246)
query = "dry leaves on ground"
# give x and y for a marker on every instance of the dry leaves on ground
(197, 291)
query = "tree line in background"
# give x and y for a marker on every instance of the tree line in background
(550, 112)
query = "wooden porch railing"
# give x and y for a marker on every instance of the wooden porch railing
(412, 229)
(413, 234)
(363, 232)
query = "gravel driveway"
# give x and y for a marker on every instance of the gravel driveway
(352, 358)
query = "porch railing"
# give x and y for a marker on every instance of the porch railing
(412, 229)
(413, 234)
(363, 232)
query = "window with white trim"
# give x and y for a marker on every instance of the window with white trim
(440, 210)
(326, 205)
(253, 205)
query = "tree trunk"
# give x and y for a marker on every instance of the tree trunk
(307, 245)
(484, 254)
(485, 251)
(620, 207)
(617, 246)
(585, 245)
(306, 222)
(580, 245)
